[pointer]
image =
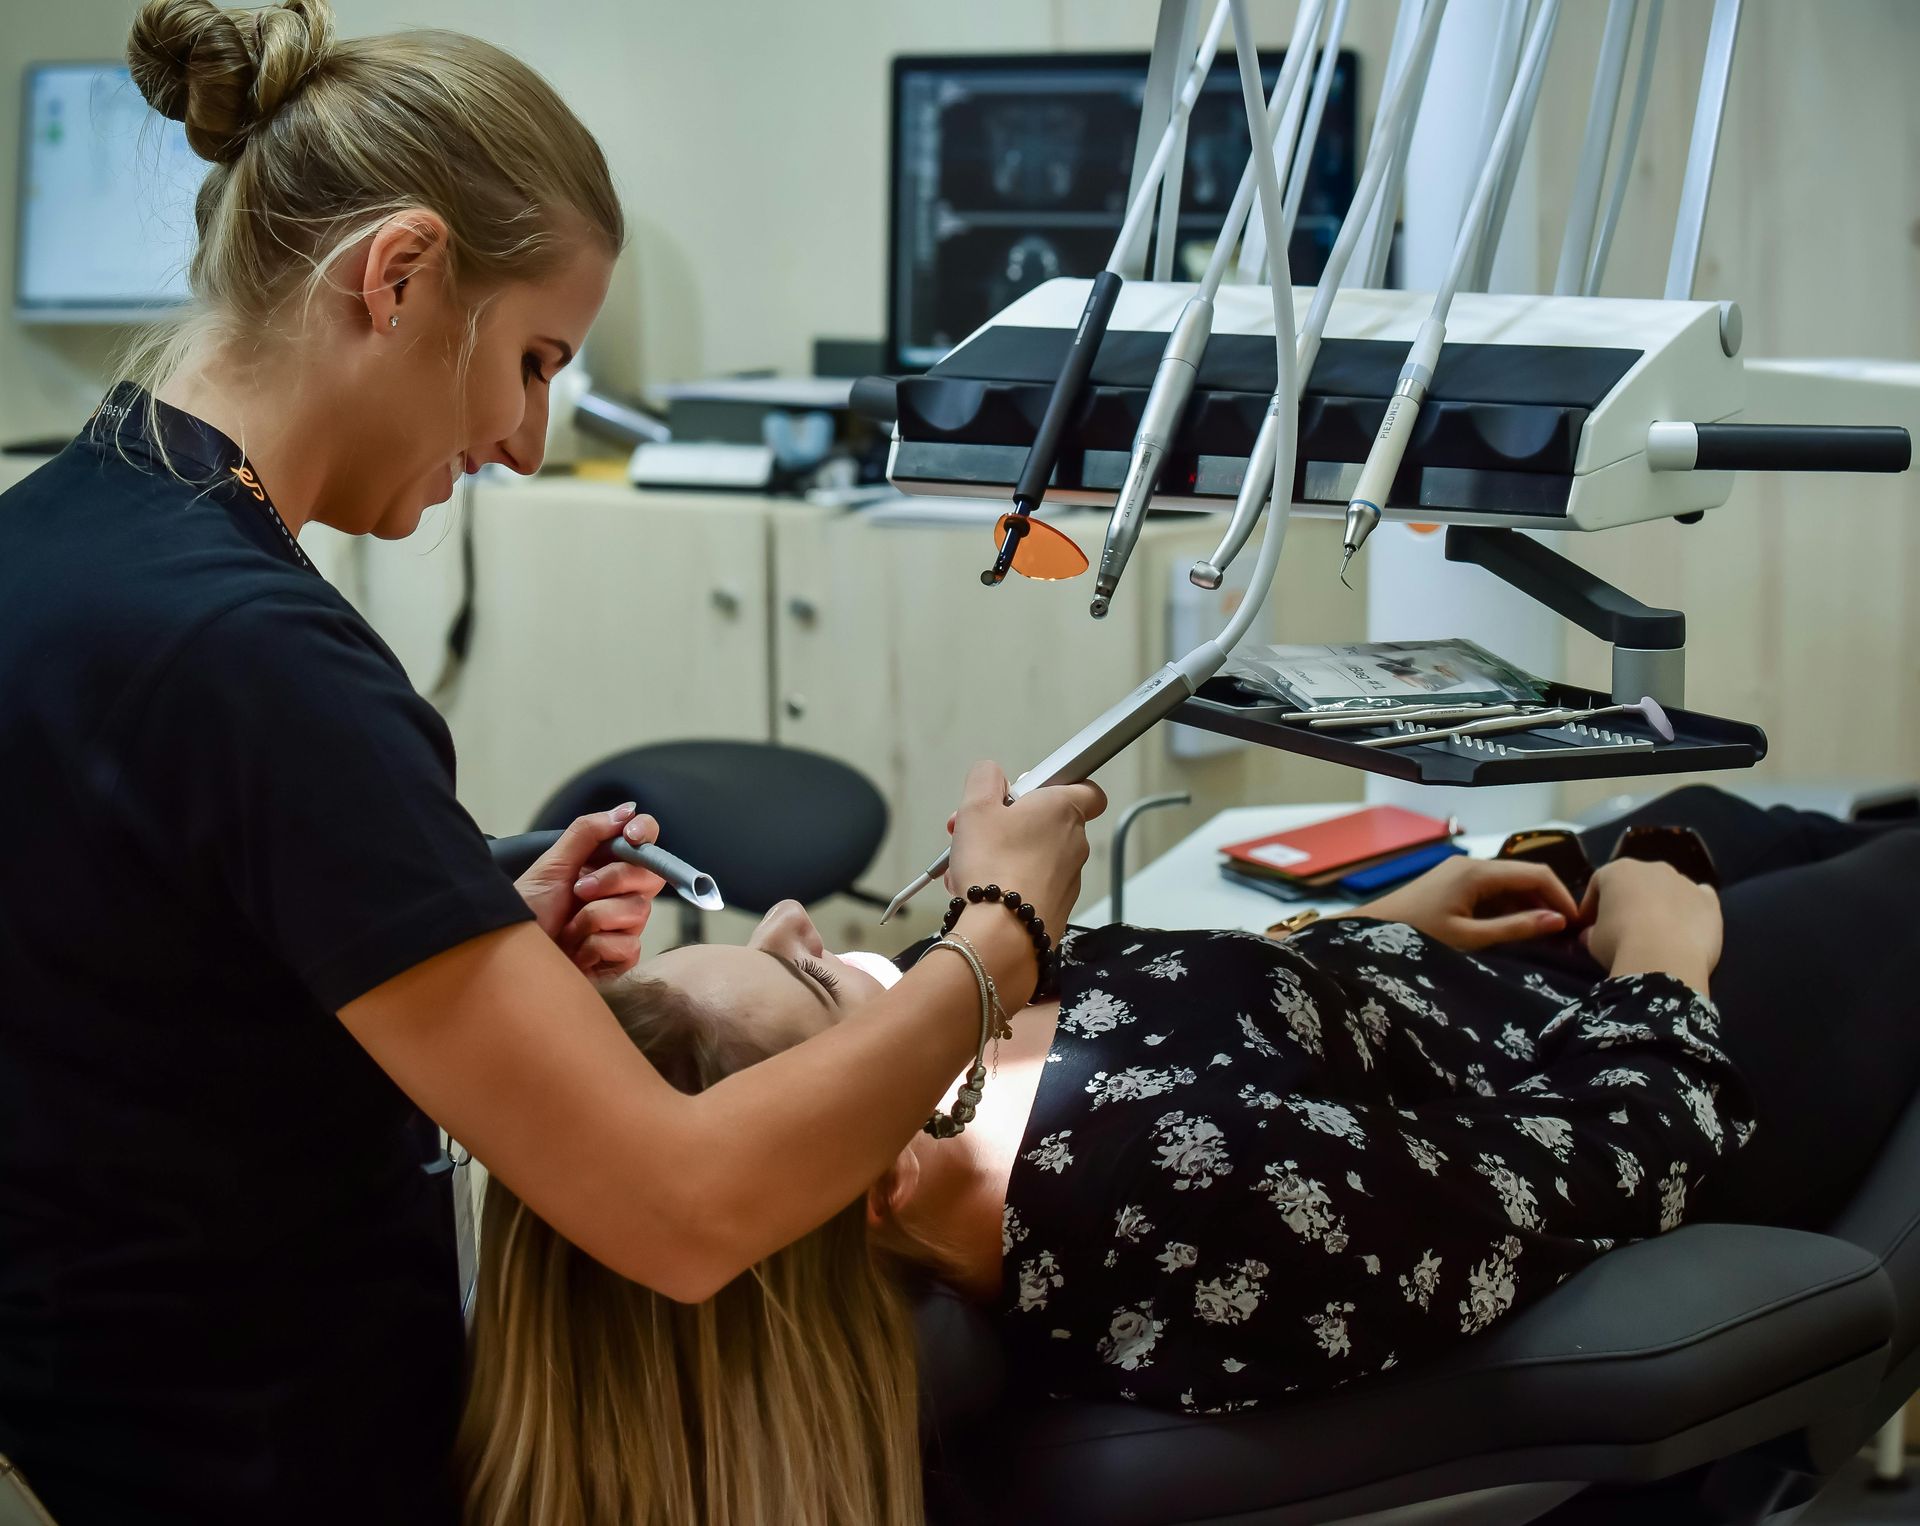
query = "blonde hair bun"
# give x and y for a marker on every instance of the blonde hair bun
(224, 73)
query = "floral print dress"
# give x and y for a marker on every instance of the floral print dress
(1256, 1168)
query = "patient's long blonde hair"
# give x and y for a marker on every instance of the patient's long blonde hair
(789, 1397)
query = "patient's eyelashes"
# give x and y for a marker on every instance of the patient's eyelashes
(825, 976)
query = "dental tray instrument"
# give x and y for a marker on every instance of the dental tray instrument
(515, 854)
(1111, 732)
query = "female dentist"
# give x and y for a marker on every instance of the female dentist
(248, 938)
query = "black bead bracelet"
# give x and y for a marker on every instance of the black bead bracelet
(978, 895)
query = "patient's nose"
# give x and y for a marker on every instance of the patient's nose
(787, 929)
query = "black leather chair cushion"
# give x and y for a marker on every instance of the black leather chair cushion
(767, 822)
(1657, 1357)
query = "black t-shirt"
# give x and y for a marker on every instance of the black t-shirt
(227, 1283)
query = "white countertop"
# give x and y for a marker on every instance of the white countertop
(1184, 888)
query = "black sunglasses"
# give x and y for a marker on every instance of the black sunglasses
(1563, 852)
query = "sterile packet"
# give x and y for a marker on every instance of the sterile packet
(1366, 675)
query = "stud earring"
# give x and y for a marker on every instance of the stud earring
(393, 320)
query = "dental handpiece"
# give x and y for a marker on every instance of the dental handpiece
(515, 854)
(1101, 740)
(1166, 402)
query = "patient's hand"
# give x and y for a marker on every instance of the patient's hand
(1472, 903)
(1647, 917)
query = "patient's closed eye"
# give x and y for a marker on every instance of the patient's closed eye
(821, 973)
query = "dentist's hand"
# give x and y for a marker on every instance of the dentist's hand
(595, 906)
(1037, 845)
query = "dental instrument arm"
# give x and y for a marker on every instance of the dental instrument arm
(1403, 408)
(1629, 146)
(1111, 732)
(1174, 377)
(1316, 113)
(1071, 382)
(1260, 476)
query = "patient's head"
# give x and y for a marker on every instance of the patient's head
(788, 1396)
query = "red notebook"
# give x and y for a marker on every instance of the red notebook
(1378, 831)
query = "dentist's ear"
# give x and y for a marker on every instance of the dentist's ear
(888, 1198)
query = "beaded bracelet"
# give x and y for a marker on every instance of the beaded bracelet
(1028, 918)
(967, 1100)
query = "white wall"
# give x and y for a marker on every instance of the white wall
(748, 137)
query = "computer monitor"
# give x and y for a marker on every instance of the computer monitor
(1009, 170)
(105, 212)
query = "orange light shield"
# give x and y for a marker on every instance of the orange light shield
(1041, 552)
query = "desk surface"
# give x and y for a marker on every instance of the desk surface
(1183, 887)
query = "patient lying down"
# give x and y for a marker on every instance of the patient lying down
(1221, 1170)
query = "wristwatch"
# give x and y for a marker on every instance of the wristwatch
(1293, 924)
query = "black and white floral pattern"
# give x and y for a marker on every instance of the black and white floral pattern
(1258, 1168)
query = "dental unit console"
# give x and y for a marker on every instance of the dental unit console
(1487, 413)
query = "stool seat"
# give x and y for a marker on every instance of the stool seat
(770, 823)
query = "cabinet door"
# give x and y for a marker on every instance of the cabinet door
(603, 619)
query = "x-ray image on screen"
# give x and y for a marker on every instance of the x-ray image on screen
(1009, 171)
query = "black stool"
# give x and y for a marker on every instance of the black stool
(769, 823)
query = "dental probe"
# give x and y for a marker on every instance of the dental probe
(1109, 734)
(1258, 481)
(692, 884)
(1410, 391)
(1425, 714)
(1174, 377)
(1647, 708)
(1071, 382)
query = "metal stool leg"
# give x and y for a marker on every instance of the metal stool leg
(1890, 1453)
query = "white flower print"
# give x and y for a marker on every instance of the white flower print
(1630, 1172)
(1052, 1154)
(1419, 1285)
(1012, 1231)
(1516, 1193)
(1706, 1115)
(1743, 1130)
(1535, 982)
(1229, 1300)
(1490, 1288)
(1396, 989)
(1038, 1276)
(1554, 1134)
(1304, 1205)
(1372, 1264)
(1256, 1040)
(1192, 1148)
(1425, 1155)
(1476, 1080)
(1514, 1042)
(1131, 1337)
(1368, 1026)
(1229, 1364)
(1620, 1075)
(1673, 1196)
(1353, 1181)
(1388, 938)
(1112, 1260)
(1618, 1116)
(1153, 1040)
(1219, 1059)
(1605, 1032)
(1131, 948)
(1330, 1329)
(1135, 1082)
(1176, 1256)
(1329, 1118)
(1560, 1186)
(1128, 1224)
(1094, 1013)
(1291, 1001)
(1166, 967)
(1254, 1096)
(1534, 1086)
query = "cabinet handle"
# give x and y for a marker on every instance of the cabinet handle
(795, 705)
(804, 610)
(726, 601)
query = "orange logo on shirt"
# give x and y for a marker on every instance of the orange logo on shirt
(249, 481)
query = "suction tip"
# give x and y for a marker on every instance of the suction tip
(1098, 608)
(1656, 716)
(1204, 575)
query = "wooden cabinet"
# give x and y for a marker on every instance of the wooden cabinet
(605, 619)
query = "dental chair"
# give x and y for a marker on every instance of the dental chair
(1721, 1373)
